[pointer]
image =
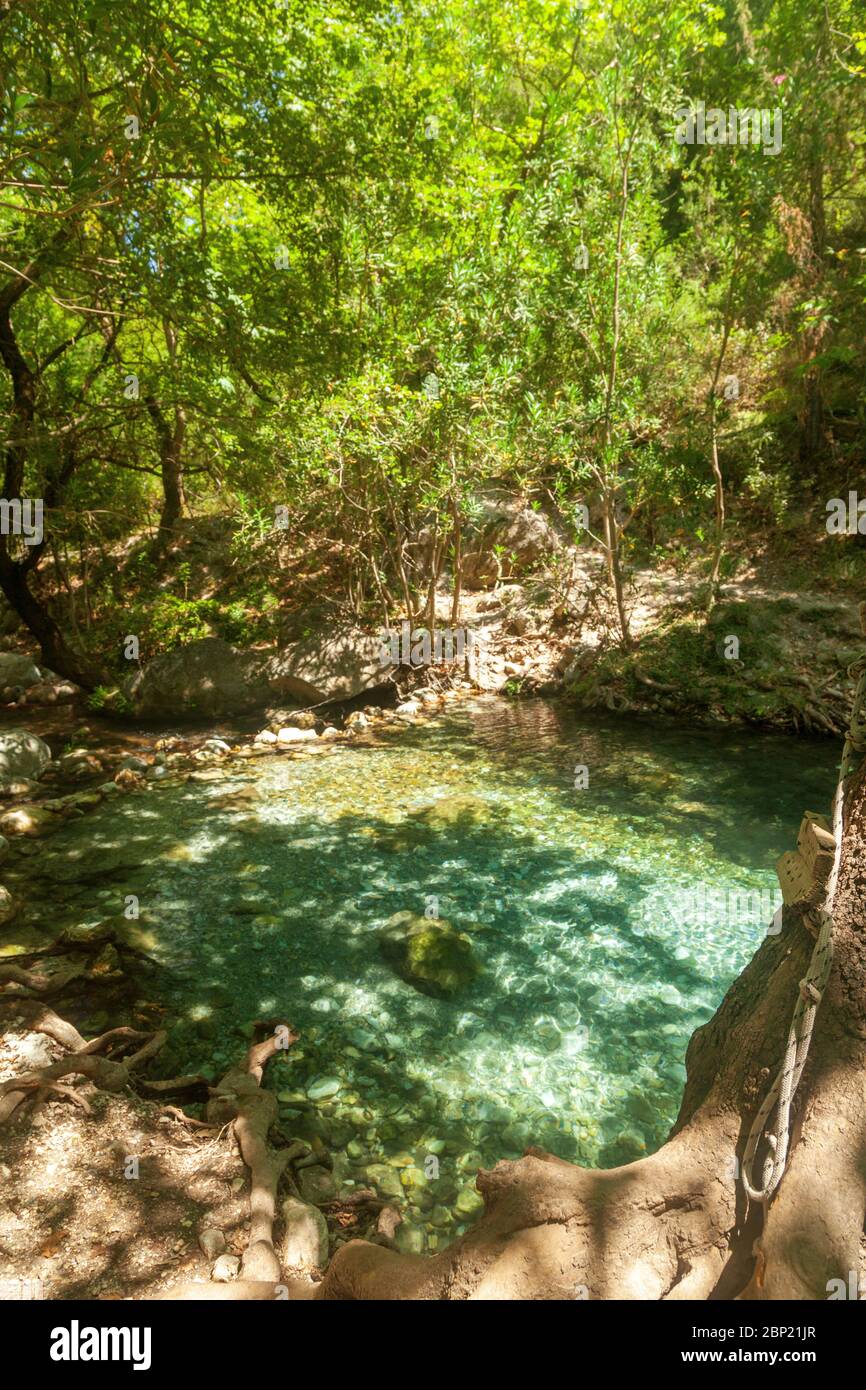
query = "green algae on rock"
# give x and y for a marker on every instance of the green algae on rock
(429, 954)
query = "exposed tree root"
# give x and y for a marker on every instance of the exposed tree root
(239, 1098)
(85, 1060)
(188, 1088)
(21, 982)
(240, 1291)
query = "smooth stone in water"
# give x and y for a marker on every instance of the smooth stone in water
(316, 1185)
(326, 1086)
(409, 1239)
(469, 1202)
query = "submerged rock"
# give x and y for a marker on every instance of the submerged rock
(323, 1088)
(86, 862)
(429, 954)
(469, 1202)
(316, 1185)
(627, 1147)
(459, 812)
(410, 1239)
(455, 811)
(386, 1180)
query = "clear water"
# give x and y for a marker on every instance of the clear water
(606, 919)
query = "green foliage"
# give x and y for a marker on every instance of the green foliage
(363, 263)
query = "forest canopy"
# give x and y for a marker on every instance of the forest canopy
(343, 265)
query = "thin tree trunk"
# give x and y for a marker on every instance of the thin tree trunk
(458, 563)
(171, 440)
(719, 482)
(609, 491)
(57, 654)
(812, 440)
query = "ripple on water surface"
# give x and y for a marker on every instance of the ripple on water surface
(609, 919)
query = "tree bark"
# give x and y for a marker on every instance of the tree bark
(171, 440)
(57, 654)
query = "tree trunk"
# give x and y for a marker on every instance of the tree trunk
(57, 654)
(675, 1225)
(56, 651)
(172, 480)
(813, 441)
(171, 440)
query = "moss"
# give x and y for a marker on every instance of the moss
(429, 954)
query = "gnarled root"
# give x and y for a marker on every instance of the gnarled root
(240, 1099)
(84, 1059)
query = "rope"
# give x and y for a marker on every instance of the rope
(782, 1091)
(777, 1102)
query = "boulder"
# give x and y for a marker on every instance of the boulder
(34, 1050)
(203, 679)
(429, 954)
(290, 718)
(18, 670)
(335, 663)
(291, 735)
(21, 786)
(29, 820)
(79, 764)
(304, 1244)
(22, 755)
(527, 538)
(53, 693)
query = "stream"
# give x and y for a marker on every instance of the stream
(613, 878)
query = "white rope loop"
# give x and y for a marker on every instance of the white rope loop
(777, 1102)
